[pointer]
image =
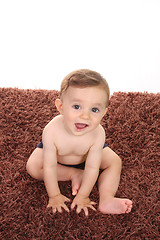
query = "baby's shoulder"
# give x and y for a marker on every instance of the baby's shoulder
(53, 125)
(51, 131)
(100, 131)
(99, 135)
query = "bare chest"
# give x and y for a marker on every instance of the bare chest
(73, 147)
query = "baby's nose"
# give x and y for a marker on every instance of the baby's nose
(85, 115)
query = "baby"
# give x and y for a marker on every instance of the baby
(73, 148)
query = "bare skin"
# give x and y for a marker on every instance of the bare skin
(108, 204)
(71, 138)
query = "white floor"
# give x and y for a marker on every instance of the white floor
(42, 41)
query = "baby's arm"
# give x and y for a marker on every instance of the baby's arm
(91, 172)
(56, 199)
(90, 176)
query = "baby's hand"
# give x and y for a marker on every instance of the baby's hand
(82, 204)
(58, 202)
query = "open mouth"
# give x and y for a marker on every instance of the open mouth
(81, 126)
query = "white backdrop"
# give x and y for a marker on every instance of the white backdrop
(43, 40)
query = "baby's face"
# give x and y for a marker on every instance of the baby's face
(83, 109)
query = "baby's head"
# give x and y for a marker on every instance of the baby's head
(85, 78)
(84, 98)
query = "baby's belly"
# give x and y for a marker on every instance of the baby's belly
(71, 160)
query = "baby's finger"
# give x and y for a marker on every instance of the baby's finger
(59, 209)
(90, 206)
(85, 209)
(54, 210)
(93, 203)
(73, 205)
(66, 208)
(79, 209)
(67, 199)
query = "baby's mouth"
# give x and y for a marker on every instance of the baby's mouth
(81, 126)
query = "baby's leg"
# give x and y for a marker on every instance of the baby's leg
(34, 167)
(34, 164)
(108, 184)
(70, 174)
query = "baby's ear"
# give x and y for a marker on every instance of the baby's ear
(105, 111)
(59, 106)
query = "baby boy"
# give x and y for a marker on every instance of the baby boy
(73, 148)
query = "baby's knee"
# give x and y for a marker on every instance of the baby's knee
(34, 172)
(34, 165)
(117, 161)
(29, 167)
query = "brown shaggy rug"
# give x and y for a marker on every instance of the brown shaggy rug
(132, 127)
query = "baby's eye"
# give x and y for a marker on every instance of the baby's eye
(77, 107)
(95, 110)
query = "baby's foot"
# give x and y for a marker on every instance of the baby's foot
(115, 206)
(76, 179)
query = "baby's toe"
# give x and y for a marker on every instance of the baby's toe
(75, 189)
(128, 205)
